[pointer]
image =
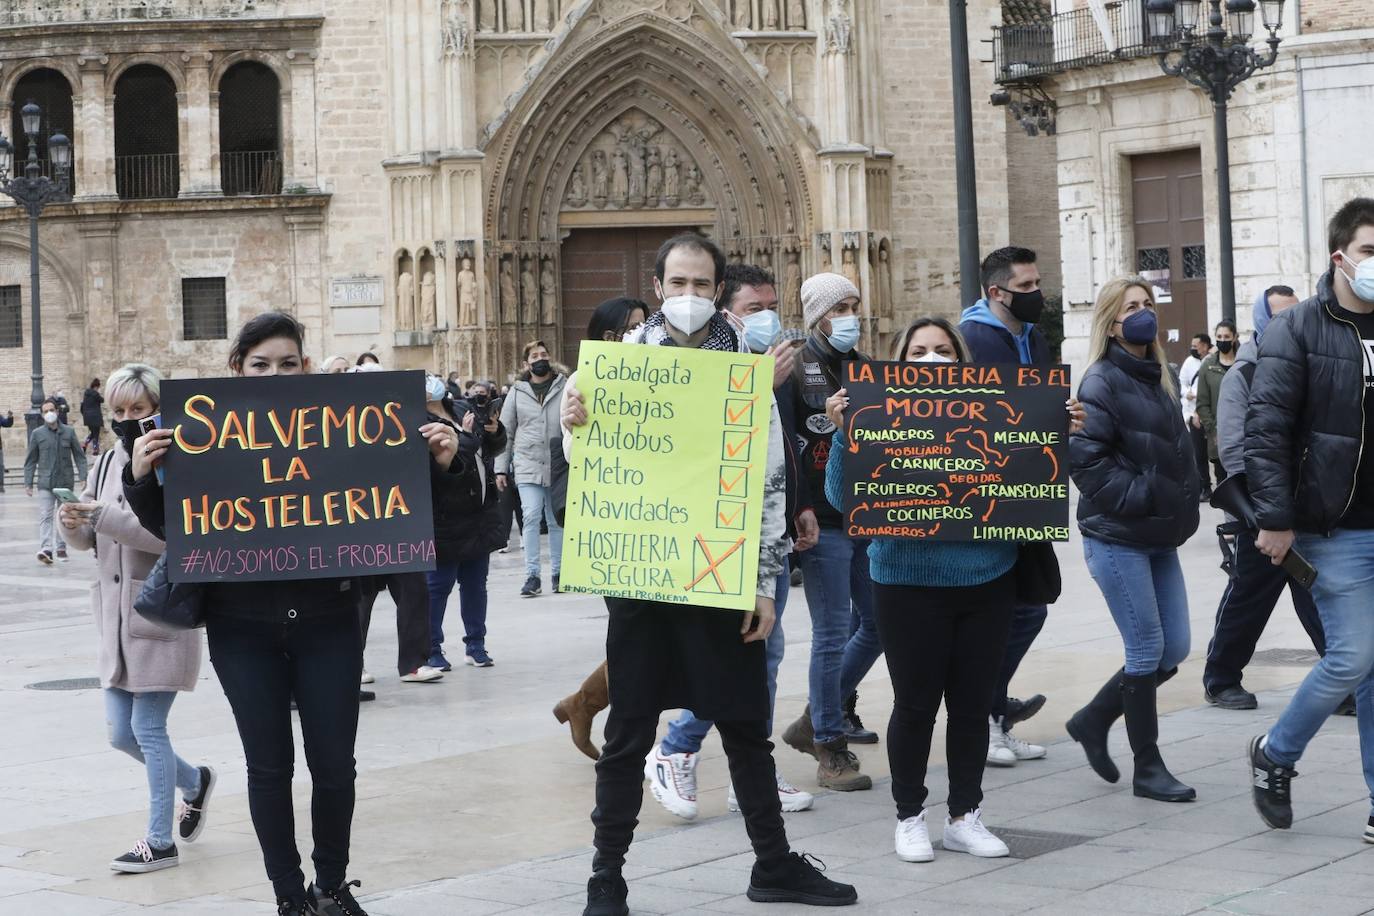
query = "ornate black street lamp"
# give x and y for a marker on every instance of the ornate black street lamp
(33, 192)
(1217, 63)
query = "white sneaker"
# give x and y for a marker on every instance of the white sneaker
(970, 836)
(673, 780)
(1023, 750)
(423, 675)
(792, 798)
(913, 840)
(368, 678)
(1000, 753)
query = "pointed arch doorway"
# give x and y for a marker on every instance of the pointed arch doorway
(601, 264)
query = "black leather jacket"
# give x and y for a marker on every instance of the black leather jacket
(1133, 462)
(1304, 430)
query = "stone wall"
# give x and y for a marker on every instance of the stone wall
(1033, 200)
(1333, 15)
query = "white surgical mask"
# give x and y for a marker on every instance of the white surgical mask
(50, 417)
(1362, 284)
(761, 330)
(930, 356)
(688, 314)
(844, 333)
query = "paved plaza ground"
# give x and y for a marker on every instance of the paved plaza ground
(472, 801)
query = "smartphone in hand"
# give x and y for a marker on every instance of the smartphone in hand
(147, 425)
(64, 495)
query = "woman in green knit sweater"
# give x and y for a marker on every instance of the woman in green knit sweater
(944, 610)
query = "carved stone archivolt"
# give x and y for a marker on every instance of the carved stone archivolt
(635, 164)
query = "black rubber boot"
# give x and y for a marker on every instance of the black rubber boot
(1090, 725)
(1152, 777)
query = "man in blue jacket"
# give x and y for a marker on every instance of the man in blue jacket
(1000, 328)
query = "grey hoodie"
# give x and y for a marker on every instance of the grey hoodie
(1232, 403)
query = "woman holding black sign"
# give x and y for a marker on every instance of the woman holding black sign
(274, 641)
(1138, 487)
(944, 611)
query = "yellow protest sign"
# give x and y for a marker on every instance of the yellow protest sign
(665, 484)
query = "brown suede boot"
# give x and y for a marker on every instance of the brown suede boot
(581, 708)
(800, 735)
(839, 768)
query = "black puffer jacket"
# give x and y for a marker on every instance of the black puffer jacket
(1304, 431)
(1133, 462)
(467, 514)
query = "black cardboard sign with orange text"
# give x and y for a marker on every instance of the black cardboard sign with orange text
(956, 451)
(297, 477)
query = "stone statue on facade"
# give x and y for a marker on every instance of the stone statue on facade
(600, 179)
(839, 27)
(635, 154)
(510, 305)
(653, 188)
(429, 316)
(672, 178)
(467, 295)
(791, 284)
(743, 13)
(529, 292)
(789, 218)
(486, 15)
(849, 268)
(548, 293)
(620, 179)
(796, 14)
(691, 187)
(577, 187)
(885, 281)
(544, 11)
(405, 301)
(771, 19)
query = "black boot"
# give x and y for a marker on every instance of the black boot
(854, 726)
(1090, 725)
(1152, 777)
(607, 895)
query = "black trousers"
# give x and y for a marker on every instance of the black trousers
(942, 643)
(620, 786)
(261, 666)
(1204, 467)
(410, 591)
(1244, 612)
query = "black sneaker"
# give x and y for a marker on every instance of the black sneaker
(555, 583)
(293, 908)
(1233, 697)
(1369, 831)
(1271, 794)
(796, 880)
(336, 902)
(531, 587)
(606, 895)
(364, 696)
(1020, 710)
(192, 820)
(854, 729)
(144, 858)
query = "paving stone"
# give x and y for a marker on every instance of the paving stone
(1276, 902)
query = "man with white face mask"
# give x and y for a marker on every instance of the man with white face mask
(839, 593)
(53, 450)
(1309, 463)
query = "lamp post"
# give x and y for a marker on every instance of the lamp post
(1217, 63)
(965, 177)
(33, 192)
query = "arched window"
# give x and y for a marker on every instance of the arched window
(53, 94)
(147, 156)
(250, 130)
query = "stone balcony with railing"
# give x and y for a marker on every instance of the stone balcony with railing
(1039, 46)
(54, 12)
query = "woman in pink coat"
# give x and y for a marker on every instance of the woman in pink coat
(142, 664)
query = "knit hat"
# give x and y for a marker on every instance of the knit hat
(821, 293)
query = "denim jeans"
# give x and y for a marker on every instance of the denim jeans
(49, 531)
(470, 575)
(138, 726)
(1026, 623)
(837, 588)
(1148, 599)
(687, 732)
(535, 501)
(1345, 562)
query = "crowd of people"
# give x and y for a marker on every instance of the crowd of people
(1281, 419)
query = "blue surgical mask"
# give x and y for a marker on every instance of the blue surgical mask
(844, 333)
(1362, 284)
(435, 389)
(761, 330)
(1140, 327)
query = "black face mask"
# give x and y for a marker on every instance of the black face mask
(1225, 346)
(1026, 307)
(1194, 353)
(126, 431)
(479, 400)
(540, 367)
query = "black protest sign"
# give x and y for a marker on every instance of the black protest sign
(956, 451)
(297, 477)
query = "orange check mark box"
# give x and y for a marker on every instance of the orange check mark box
(734, 481)
(739, 412)
(736, 443)
(730, 514)
(742, 378)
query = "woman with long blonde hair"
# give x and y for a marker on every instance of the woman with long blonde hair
(1137, 478)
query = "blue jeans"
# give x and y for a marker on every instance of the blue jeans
(838, 592)
(686, 734)
(536, 501)
(1148, 599)
(1027, 622)
(470, 576)
(1345, 562)
(138, 726)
